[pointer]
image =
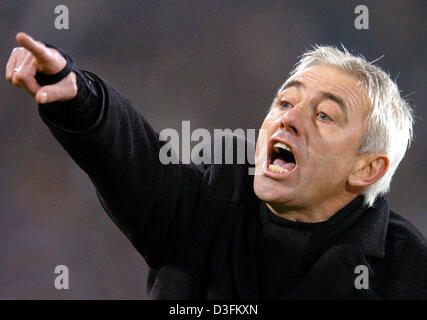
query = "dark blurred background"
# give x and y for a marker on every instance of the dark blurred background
(216, 63)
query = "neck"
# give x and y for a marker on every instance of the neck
(320, 211)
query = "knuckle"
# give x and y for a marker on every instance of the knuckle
(50, 54)
(21, 51)
(19, 77)
(15, 81)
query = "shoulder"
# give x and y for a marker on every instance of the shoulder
(406, 258)
(230, 169)
(231, 153)
(401, 230)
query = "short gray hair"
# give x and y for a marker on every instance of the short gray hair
(390, 118)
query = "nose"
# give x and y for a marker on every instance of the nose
(292, 120)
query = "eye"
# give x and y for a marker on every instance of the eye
(285, 105)
(323, 116)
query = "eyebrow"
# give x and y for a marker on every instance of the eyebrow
(293, 83)
(325, 95)
(339, 101)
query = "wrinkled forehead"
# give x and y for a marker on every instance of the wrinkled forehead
(333, 81)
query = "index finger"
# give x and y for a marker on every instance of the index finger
(36, 48)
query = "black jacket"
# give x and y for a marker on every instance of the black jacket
(196, 225)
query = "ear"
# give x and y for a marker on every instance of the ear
(368, 169)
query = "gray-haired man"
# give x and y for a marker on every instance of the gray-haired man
(312, 224)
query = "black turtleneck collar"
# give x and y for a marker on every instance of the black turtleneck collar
(287, 249)
(336, 218)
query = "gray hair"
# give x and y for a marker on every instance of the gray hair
(390, 118)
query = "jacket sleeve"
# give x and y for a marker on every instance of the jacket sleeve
(150, 202)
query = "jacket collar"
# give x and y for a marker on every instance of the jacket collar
(366, 238)
(372, 229)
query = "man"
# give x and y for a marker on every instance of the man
(312, 224)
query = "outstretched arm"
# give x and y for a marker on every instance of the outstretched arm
(150, 202)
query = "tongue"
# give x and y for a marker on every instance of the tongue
(283, 164)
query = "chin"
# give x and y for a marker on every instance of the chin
(270, 191)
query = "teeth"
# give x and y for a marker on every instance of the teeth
(279, 145)
(277, 169)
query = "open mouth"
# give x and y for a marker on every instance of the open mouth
(282, 159)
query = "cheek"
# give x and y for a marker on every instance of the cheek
(332, 161)
(337, 142)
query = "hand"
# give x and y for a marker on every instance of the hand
(32, 57)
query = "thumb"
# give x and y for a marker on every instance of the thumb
(64, 90)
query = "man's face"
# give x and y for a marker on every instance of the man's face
(319, 117)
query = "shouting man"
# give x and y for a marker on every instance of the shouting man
(312, 223)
